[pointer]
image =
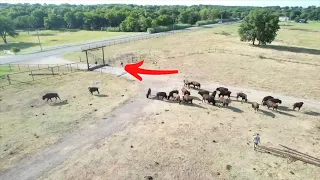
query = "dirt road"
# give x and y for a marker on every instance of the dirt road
(35, 166)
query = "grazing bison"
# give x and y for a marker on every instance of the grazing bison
(205, 97)
(225, 93)
(255, 106)
(171, 93)
(162, 95)
(211, 100)
(185, 91)
(297, 105)
(202, 92)
(221, 89)
(176, 97)
(214, 94)
(195, 84)
(50, 95)
(186, 98)
(243, 96)
(271, 104)
(266, 99)
(224, 102)
(148, 93)
(275, 100)
(93, 89)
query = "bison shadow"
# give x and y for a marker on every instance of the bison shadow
(268, 113)
(196, 98)
(60, 103)
(284, 108)
(193, 105)
(312, 113)
(284, 113)
(234, 109)
(101, 95)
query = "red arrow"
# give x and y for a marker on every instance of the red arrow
(134, 70)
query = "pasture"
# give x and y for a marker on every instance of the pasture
(132, 137)
(29, 124)
(28, 41)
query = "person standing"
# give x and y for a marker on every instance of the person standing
(256, 141)
(121, 63)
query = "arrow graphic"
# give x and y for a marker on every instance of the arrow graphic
(134, 70)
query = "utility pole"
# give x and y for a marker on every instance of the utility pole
(39, 40)
(221, 18)
(173, 25)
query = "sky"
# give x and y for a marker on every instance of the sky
(303, 3)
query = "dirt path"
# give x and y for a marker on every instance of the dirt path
(33, 167)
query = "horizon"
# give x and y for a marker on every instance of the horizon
(252, 3)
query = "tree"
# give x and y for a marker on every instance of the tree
(24, 22)
(259, 25)
(6, 28)
(53, 21)
(38, 16)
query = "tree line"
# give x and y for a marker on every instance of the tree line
(126, 18)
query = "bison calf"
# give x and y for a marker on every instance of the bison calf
(186, 98)
(171, 93)
(148, 93)
(224, 102)
(255, 106)
(162, 95)
(243, 96)
(297, 105)
(185, 91)
(93, 89)
(50, 95)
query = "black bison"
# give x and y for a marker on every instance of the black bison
(202, 92)
(211, 100)
(275, 100)
(266, 99)
(50, 95)
(162, 95)
(186, 82)
(297, 105)
(205, 97)
(243, 96)
(225, 93)
(171, 93)
(185, 91)
(214, 93)
(255, 106)
(195, 84)
(222, 89)
(186, 98)
(148, 93)
(272, 104)
(93, 89)
(224, 102)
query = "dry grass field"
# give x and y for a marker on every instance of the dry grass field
(171, 141)
(29, 124)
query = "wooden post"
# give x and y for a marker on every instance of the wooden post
(38, 67)
(28, 67)
(32, 76)
(58, 68)
(104, 63)
(8, 79)
(70, 67)
(19, 67)
(87, 59)
(52, 71)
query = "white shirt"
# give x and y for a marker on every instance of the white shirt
(256, 139)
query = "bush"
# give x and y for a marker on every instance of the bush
(113, 29)
(15, 49)
(167, 28)
(201, 23)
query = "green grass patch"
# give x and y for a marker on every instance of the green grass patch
(27, 41)
(4, 70)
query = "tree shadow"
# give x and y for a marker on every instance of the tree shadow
(60, 103)
(292, 49)
(101, 95)
(44, 34)
(284, 108)
(267, 113)
(20, 45)
(312, 113)
(68, 30)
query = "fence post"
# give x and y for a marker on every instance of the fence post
(8, 79)
(38, 67)
(10, 67)
(77, 66)
(28, 67)
(71, 67)
(32, 76)
(58, 68)
(52, 71)
(19, 67)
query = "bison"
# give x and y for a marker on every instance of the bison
(202, 92)
(211, 100)
(195, 84)
(148, 93)
(171, 93)
(162, 95)
(176, 97)
(255, 106)
(297, 105)
(224, 102)
(266, 99)
(186, 98)
(275, 100)
(186, 83)
(225, 93)
(93, 89)
(185, 91)
(243, 96)
(50, 95)
(221, 89)
(214, 94)
(271, 104)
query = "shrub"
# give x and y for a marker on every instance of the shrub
(201, 23)
(15, 49)
(150, 30)
(167, 28)
(113, 29)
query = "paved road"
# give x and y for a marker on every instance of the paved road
(77, 47)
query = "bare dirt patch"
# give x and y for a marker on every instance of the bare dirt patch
(29, 124)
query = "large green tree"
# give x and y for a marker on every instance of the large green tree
(6, 28)
(260, 25)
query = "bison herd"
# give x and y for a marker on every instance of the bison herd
(210, 98)
(49, 96)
